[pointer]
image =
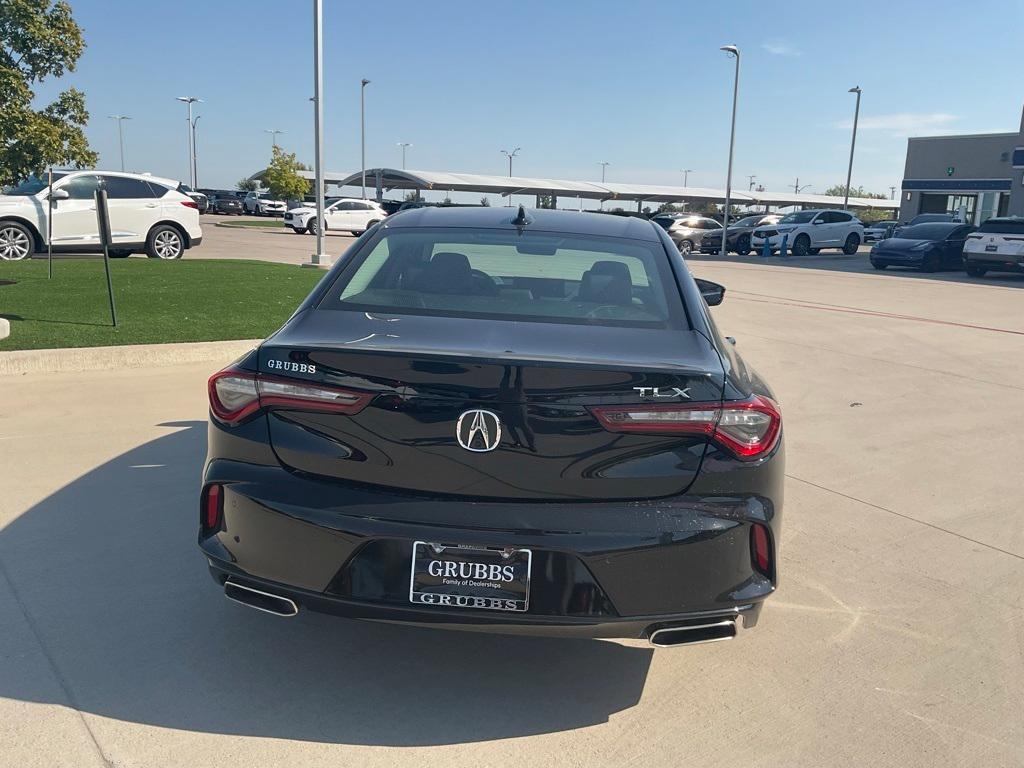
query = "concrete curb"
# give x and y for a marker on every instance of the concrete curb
(73, 359)
(5, 327)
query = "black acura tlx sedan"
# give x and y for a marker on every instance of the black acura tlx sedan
(504, 421)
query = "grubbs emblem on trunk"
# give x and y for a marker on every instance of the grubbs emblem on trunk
(478, 431)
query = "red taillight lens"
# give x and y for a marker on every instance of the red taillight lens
(235, 395)
(760, 549)
(190, 204)
(748, 428)
(212, 508)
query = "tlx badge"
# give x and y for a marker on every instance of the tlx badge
(662, 391)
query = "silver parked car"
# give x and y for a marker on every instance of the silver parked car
(686, 230)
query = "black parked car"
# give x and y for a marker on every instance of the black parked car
(739, 234)
(226, 203)
(501, 421)
(928, 247)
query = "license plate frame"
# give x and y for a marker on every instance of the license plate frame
(991, 248)
(470, 577)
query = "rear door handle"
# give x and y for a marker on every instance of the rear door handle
(151, 205)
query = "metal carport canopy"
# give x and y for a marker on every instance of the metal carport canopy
(445, 181)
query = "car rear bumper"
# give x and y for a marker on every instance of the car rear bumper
(995, 261)
(599, 569)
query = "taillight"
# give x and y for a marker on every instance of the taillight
(212, 506)
(760, 549)
(747, 428)
(235, 395)
(190, 204)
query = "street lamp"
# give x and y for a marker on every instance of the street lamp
(510, 155)
(730, 50)
(750, 186)
(195, 154)
(853, 143)
(319, 257)
(604, 165)
(797, 188)
(120, 134)
(686, 176)
(273, 135)
(362, 132)
(404, 145)
(190, 100)
(892, 193)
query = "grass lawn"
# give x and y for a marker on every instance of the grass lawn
(157, 301)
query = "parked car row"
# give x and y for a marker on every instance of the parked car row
(996, 246)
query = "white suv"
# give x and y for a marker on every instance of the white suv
(262, 204)
(146, 214)
(347, 214)
(810, 231)
(997, 246)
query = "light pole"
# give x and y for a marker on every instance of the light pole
(750, 186)
(195, 154)
(892, 193)
(730, 50)
(120, 134)
(404, 145)
(362, 132)
(797, 188)
(853, 143)
(510, 155)
(604, 165)
(190, 100)
(686, 176)
(273, 135)
(318, 125)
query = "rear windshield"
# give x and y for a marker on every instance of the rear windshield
(501, 274)
(1003, 227)
(936, 231)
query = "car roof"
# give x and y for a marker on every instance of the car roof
(144, 176)
(540, 220)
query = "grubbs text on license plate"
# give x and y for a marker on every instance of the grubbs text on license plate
(485, 578)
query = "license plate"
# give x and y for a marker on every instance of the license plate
(991, 247)
(487, 578)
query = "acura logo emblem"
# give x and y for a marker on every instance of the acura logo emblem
(478, 431)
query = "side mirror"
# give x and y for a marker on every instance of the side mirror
(59, 194)
(817, 221)
(713, 293)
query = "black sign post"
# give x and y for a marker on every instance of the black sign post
(103, 220)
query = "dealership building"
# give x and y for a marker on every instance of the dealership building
(982, 174)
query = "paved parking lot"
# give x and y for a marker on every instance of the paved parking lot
(264, 244)
(896, 637)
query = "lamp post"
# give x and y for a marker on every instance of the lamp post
(797, 188)
(510, 155)
(195, 154)
(190, 100)
(404, 145)
(686, 176)
(750, 186)
(318, 258)
(273, 135)
(730, 50)
(604, 165)
(892, 193)
(362, 133)
(120, 134)
(853, 143)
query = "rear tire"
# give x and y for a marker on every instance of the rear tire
(852, 244)
(685, 247)
(363, 231)
(801, 246)
(16, 241)
(975, 271)
(165, 242)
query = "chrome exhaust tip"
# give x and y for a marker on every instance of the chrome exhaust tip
(261, 601)
(693, 634)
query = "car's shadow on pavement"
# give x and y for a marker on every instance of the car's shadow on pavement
(112, 583)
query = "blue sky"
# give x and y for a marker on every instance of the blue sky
(640, 85)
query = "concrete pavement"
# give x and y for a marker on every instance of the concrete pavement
(896, 637)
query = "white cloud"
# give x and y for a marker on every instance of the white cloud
(903, 124)
(780, 48)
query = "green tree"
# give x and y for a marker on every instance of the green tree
(282, 176)
(839, 190)
(485, 202)
(39, 39)
(247, 185)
